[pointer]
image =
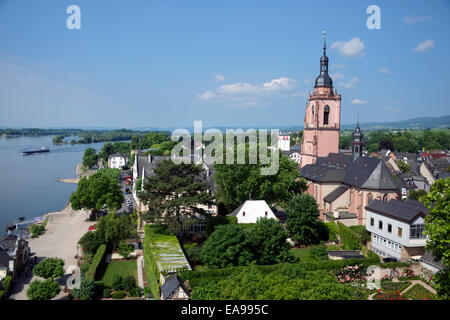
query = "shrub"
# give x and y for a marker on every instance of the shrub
(117, 283)
(2, 294)
(363, 234)
(332, 231)
(128, 283)
(135, 292)
(84, 268)
(350, 239)
(124, 249)
(119, 295)
(90, 241)
(6, 283)
(97, 260)
(106, 292)
(43, 290)
(86, 290)
(319, 252)
(50, 268)
(193, 253)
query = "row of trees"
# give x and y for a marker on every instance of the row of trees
(402, 141)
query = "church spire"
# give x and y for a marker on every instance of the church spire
(357, 141)
(324, 80)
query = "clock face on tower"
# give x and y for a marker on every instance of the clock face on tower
(327, 109)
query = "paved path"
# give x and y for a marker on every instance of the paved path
(140, 272)
(413, 282)
(60, 239)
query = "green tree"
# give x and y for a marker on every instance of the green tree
(174, 193)
(43, 290)
(442, 280)
(437, 222)
(302, 221)
(117, 283)
(345, 141)
(90, 242)
(124, 249)
(86, 290)
(416, 194)
(134, 143)
(405, 167)
(237, 183)
(227, 246)
(128, 283)
(50, 268)
(90, 158)
(100, 191)
(268, 242)
(106, 151)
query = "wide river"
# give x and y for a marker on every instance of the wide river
(28, 185)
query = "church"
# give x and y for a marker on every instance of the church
(342, 185)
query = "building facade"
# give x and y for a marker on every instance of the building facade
(117, 161)
(322, 118)
(396, 228)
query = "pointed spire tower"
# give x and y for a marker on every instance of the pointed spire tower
(323, 116)
(357, 141)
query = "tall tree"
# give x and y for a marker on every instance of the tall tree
(227, 246)
(237, 183)
(268, 241)
(437, 222)
(100, 190)
(174, 194)
(90, 158)
(302, 223)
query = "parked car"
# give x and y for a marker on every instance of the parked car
(390, 259)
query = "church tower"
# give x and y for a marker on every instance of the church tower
(322, 118)
(357, 142)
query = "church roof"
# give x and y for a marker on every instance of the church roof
(364, 172)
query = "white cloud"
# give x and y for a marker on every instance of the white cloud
(411, 20)
(352, 48)
(358, 101)
(239, 90)
(350, 83)
(337, 76)
(219, 77)
(338, 66)
(249, 104)
(424, 46)
(384, 70)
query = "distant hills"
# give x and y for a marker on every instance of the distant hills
(442, 122)
(412, 124)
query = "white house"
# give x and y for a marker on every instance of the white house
(251, 210)
(117, 161)
(396, 228)
(284, 143)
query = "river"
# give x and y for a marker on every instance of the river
(28, 185)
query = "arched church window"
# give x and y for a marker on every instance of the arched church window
(326, 113)
(385, 197)
(369, 198)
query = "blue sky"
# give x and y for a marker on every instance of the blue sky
(227, 63)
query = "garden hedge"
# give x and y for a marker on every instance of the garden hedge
(350, 239)
(97, 261)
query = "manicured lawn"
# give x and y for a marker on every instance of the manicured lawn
(123, 268)
(302, 254)
(393, 286)
(418, 292)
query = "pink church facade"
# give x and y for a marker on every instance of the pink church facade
(342, 185)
